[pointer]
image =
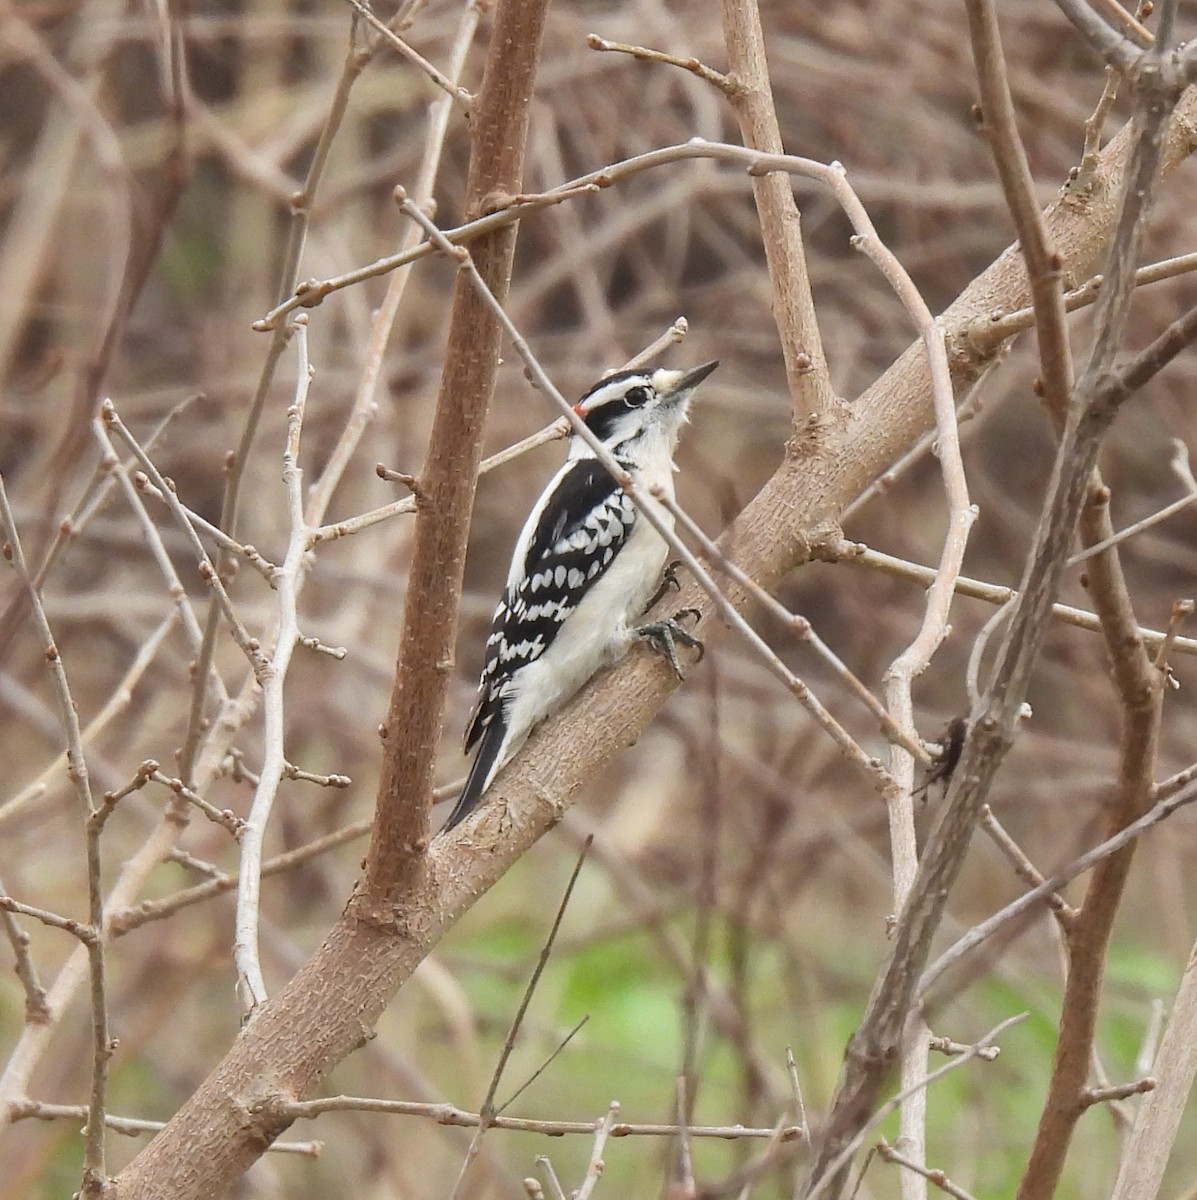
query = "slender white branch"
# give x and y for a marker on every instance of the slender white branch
(251, 986)
(449, 1114)
(594, 1168)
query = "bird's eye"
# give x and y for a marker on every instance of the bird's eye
(637, 397)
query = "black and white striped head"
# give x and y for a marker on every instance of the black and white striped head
(625, 408)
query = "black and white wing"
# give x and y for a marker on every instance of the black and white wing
(583, 522)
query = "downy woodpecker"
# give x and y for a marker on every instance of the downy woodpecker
(585, 567)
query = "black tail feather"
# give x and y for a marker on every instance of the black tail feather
(476, 781)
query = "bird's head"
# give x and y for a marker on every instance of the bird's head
(629, 406)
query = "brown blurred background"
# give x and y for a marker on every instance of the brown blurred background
(736, 900)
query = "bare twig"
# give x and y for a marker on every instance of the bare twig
(94, 1172)
(219, 816)
(555, 1188)
(673, 336)
(824, 1180)
(814, 401)
(207, 570)
(175, 589)
(594, 1168)
(1043, 263)
(756, 165)
(36, 1110)
(1121, 1091)
(37, 1012)
(685, 1153)
(994, 593)
(544, 1066)
(448, 1114)
(228, 545)
(724, 83)
(1116, 48)
(326, 533)
(488, 1110)
(1162, 514)
(392, 39)
(985, 929)
(796, 1092)
(990, 333)
(941, 1181)
(79, 929)
(1023, 867)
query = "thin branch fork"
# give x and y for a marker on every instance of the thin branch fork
(37, 1011)
(392, 39)
(728, 84)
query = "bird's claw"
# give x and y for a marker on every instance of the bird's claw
(669, 580)
(663, 637)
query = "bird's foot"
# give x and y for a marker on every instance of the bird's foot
(663, 637)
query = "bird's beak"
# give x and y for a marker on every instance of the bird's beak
(692, 378)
